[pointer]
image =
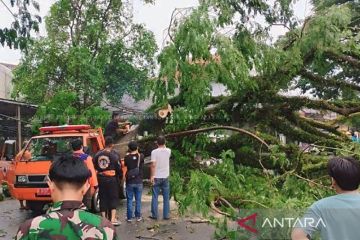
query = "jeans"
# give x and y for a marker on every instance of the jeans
(163, 185)
(131, 191)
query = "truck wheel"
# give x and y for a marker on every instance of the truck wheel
(123, 189)
(36, 206)
(96, 202)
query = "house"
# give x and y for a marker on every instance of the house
(14, 115)
(6, 77)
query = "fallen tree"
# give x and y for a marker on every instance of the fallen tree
(319, 57)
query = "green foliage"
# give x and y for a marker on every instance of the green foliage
(5, 191)
(180, 119)
(93, 50)
(199, 190)
(278, 11)
(245, 188)
(182, 163)
(188, 64)
(62, 109)
(327, 28)
(59, 109)
(18, 35)
(278, 156)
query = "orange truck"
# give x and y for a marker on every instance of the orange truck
(26, 174)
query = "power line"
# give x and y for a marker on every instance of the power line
(9, 9)
(12, 118)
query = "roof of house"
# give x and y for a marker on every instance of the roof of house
(9, 65)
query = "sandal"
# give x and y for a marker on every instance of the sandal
(116, 223)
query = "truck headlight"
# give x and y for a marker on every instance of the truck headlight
(21, 178)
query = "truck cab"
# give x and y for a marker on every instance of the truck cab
(28, 173)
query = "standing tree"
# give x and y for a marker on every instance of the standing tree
(93, 51)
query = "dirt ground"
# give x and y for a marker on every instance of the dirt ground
(175, 229)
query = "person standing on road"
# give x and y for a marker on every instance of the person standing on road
(78, 152)
(108, 167)
(68, 217)
(335, 217)
(134, 161)
(159, 177)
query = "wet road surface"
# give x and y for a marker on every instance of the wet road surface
(175, 229)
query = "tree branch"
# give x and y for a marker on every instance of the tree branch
(304, 125)
(311, 181)
(327, 127)
(226, 202)
(285, 127)
(328, 81)
(343, 58)
(201, 130)
(213, 207)
(209, 129)
(298, 103)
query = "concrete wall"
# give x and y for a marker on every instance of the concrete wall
(5, 82)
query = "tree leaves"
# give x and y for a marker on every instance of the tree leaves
(258, 76)
(62, 109)
(24, 22)
(93, 49)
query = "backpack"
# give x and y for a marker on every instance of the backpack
(133, 173)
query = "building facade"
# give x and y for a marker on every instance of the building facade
(6, 77)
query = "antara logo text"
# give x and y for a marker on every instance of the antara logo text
(287, 222)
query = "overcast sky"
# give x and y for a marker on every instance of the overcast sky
(156, 17)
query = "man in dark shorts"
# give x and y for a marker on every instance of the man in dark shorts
(108, 167)
(113, 130)
(134, 180)
(68, 217)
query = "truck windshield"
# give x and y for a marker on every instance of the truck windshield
(44, 149)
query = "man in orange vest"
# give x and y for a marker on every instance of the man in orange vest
(78, 152)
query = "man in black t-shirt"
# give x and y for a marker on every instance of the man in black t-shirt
(108, 167)
(112, 128)
(134, 161)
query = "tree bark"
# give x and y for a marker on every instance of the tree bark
(209, 129)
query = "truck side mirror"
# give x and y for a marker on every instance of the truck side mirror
(9, 157)
(9, 151)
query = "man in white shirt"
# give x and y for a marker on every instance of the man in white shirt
(160, 171)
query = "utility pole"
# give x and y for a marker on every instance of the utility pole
(18, 117)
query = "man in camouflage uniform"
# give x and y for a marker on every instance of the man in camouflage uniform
(68, 218)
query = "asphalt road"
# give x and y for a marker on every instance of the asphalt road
(175, 229)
